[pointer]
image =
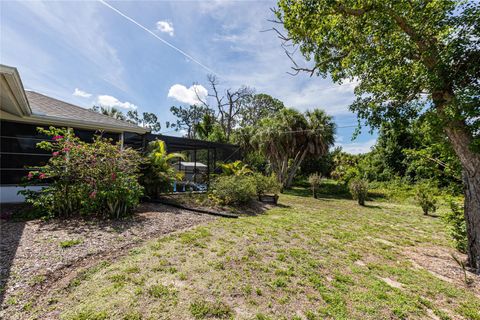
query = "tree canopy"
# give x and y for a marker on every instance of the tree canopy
(407, 58)
(287, 138)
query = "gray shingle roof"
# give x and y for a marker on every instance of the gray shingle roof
(46, 106)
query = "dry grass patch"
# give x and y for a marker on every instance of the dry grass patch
(306, 259)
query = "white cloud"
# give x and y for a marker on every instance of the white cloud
(165, 27)
(188, 95)
(81, 93)
(357, 147)
(112, 102)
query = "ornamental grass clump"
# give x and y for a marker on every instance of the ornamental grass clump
(98, 178)
(359, 190)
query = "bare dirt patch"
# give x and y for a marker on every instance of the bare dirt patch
(34, 255)
(440, 263)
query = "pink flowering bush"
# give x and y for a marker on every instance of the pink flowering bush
(96, 178)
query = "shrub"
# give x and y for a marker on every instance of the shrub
(315, 180)
(425, 197)
(359, 190)
(266, 184)
(233, 189)
(457, 228)
(86, 178)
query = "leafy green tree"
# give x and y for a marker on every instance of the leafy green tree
(147, 120)
(259, 106)
(188, 118)
(409, 57)
(290, 136)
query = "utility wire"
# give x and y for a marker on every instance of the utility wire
(156, 36)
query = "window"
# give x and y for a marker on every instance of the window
(19, 153)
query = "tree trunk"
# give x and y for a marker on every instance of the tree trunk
(470, 161)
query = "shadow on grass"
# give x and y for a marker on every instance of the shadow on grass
(372, 206)
(326, 191)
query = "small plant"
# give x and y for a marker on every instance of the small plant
(70, 243)
(457, 228)
(464, 269)
(159, 291)
(425, 198)
(233, 189)
(202, 309)
(359, 190)
(315, 180)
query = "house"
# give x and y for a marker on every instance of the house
(22, 111)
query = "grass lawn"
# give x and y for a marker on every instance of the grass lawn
(306, 259)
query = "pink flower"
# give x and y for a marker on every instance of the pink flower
(55, 138)
(56, 153)
(114, 176)
(93, 194)
(42, 176)
(30, 176)
(66, 149)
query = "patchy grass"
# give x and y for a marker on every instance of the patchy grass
(70, 243)
(306, 259)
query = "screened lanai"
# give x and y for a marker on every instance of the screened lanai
(202, 158)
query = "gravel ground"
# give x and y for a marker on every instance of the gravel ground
(34, 254)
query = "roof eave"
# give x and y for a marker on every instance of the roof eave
(56, 121)
(15, 84)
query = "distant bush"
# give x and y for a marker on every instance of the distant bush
(233, 189)
(425, 197)
(266, 184)
(457, 228)
(359, 190)
(315, 180)
(98, 178)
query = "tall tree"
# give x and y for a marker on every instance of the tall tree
(257, 107)
(147, 120)
(290, 136)
(188, 118)
(228, 104)
(109, 111)
(403, 53)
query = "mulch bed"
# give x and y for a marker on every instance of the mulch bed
(32, 259)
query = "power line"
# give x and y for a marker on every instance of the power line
(156, 36)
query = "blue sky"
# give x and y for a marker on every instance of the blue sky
(86, 53)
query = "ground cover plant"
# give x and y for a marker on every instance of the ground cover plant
(306, 259)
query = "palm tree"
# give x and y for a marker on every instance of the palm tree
(289, 137)
(160, 173)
